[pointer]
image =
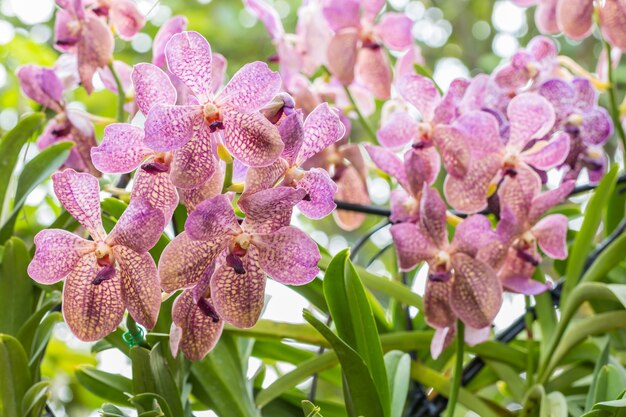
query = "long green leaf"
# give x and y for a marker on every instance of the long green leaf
(166, 387)
(35, 399)
(14, 376)
(364, 399)
(610, 257)
(110, 387)
(354, 320)
(17, 290)
(584, 238)
(33, 174)
(10, 147)
(604, 359)
(41, 339)
(398, 366)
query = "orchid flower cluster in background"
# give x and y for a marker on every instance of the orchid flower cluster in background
(241, 155)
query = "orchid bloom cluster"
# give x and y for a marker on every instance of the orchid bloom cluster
(242, 155)
(199, 137)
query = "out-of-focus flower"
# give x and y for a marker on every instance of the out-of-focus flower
(108, 274)
(321, 129)
(123, 15)
(43, 86)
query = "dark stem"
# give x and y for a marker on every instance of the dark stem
(361, 242)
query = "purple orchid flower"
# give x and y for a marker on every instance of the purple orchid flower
(242, 254)
(412, 173)
(123, 149)
(82, 32)
(123, 15)
(476, 158)
(44, 86)
(174, 25)
(108, 274)
(523, 229)
(462, 283)
(589, 126)
(321, 129)
(191, 128)
(355, 51)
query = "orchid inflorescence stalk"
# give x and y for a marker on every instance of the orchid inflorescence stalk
(241, 155)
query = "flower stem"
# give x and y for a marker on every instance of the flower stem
(458, 368)
(362, 119)
(613, 97)
(121, 94)
(530, 362)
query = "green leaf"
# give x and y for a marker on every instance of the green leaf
(310, 409)
(17, 290)
(41, 339)
(27, 332)
(604, 359)
(14, 376)
(609, 384)
(398, 365)
(610, 257)
(554, 405)
(354, 320)
(109, 410)
(158, 406)
(584, 238)
(35, 399)
(33, 174)
(165, 385)
(220, 383)
(11, 145)
(363, 393)
(110, 387)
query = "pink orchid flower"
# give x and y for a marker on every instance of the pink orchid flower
(84, 33)
(44, 86)
(523, 228)
(123, 15)
(243, 254)
(194, 128)
(477, 159)
(462, 283)
(108, 274)
(321, 129)
(355, 52)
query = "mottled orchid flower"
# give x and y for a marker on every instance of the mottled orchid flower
(302, 139)
(589, 126)
(522, 228)
(105, 275)
(411, 173)
(44, 86)
(476, 158)
(230, 116)
(122, 149)
(242, 254)
(356, 50)
(462, 283)
(84, 33)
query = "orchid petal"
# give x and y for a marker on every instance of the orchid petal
(194, 163)
(269, 210)
(94, 49)
(395, 30)
(189, 58)
(170, 127)
(126, 18)
(421, 167)
(152, 87)
(545, 201)
(548, 154)
(597, 127)
(575, 18)
(121, 150)
(373, 70)
(342, 14)
(174, 25)
(251, 88)
(157, 189)
(41, 85)
(525, 285)
(213, 220)
(551, 234)
(322, 128)
(613, 22)
(268, 15)
(413, 245)
(437, 309)
(321, 190)
(139, 227)
(291, 131)
(351, 187)
(422, 93)
(398, 130)
(211, 188)
(388, 162)
(433, 216)
(469, 194)
(531, 117)
(342, 55)
(262, 178)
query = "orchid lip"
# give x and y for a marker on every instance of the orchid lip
(106, 273)
(155, 167)
(208, 310)
(527, 257)
(236, 263)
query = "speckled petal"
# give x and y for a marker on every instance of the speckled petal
(469, 194)
(141, 292)
(199, 332)
(433, 216)
(239, 298)
(139, 227)
(421, 167)
(322, 128)
(94, 49)
(212, 187)
(548, 154)
(351, 187)
(218, 69)
(373, 70)
(437, 310)
(288, 255)
(522, 284)
(481, 133)
(91, 311)
(453, 148)
(321, 190)
(476, 291)
(398, 130)
(79, 194)
(42, 85)
(291, 131)
(193, 164)
(597, 126)
(420, 92)
(121, 150)
(152, 87)
(413, 245)
(251, 138)
(531, 117)
(173, 26)
(551, 234)
(183, 261)
(251, 88)
(213, 220)
(543, 202)
(126, 18)
(262, 178)
(561, 95)
(388, 162)
(404, 208)
(575, 17)
(56, 255)
(342, 55)
(170, 127)
(189, 58)
(157, 189)
(269, 210)
(395, 30)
